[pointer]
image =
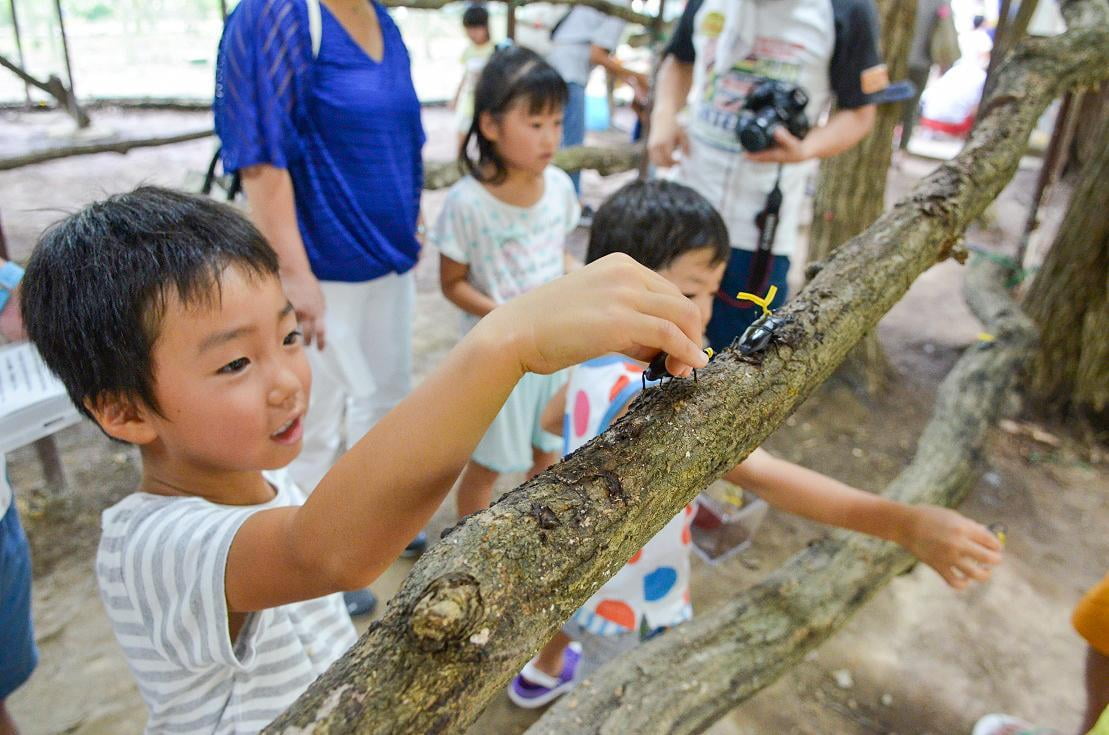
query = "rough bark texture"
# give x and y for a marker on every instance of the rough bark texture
(604, 159)
(660, 688)
(852, 187)
(1070, 298)
(604, 6)
(481, 601)
(114, 146)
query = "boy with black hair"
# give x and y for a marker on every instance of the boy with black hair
(674, 231)
(164, 316)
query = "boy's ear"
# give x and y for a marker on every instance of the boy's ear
(488, 125)
(122, 418)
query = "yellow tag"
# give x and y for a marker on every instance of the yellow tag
(762, 301)
(986, 337)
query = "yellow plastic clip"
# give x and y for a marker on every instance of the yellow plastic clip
(762, 301)
(999, 530)
(708, 352)
(986, 337)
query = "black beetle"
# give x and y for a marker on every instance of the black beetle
(656, 370)
(758, 336)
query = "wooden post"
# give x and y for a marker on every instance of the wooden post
(510, 21)
(223, 10)
(19, 48)
(82, 121)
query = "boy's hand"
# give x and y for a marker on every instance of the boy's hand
(611, 305)
(959, 549)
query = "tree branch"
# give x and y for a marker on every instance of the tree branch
(608, 8)
(749, 642)
(479, 603)
(605, 160)
(112, 146)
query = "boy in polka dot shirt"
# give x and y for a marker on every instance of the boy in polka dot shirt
(677, 233)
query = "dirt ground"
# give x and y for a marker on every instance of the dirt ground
(922, 658)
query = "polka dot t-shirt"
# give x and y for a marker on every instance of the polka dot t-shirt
(652, 590)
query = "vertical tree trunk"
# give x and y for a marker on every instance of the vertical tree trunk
(1070, 299)
(852, 187)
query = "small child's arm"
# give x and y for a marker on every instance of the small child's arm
(459, 291)
(382, 492)
(959, 549)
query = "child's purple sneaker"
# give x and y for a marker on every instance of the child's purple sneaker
(532, 688)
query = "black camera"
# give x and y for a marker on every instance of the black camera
(770, 104)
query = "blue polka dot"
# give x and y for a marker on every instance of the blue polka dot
(658, 583)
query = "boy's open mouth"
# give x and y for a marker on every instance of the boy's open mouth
(289, 432)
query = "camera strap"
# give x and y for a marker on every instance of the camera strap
(767, 223)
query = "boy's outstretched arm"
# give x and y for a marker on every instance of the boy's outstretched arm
(382, 492)
(959, 549)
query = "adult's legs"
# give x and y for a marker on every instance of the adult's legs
(18, 654)
(386, 334)
(919, 77)
(573, 124)
(363, 371)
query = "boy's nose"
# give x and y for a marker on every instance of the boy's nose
(286, 388)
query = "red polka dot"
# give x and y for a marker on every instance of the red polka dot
(635, 557)
(689, 509)
(619, 385)
(685, 596)
(617, 612)
(581, 413)
(635, 368)
(686, 536)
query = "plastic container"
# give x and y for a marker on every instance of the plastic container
(723, 527)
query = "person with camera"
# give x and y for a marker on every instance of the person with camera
(761, 71)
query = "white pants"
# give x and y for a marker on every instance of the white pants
(363, 371)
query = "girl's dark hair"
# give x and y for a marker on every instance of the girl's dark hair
(476, 16)
(512, 74)
(97, 284)
(655, 222)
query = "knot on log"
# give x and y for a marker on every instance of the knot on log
(446, 612)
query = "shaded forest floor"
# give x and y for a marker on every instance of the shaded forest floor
(922, 659)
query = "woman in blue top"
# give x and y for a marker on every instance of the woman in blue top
(328, 140)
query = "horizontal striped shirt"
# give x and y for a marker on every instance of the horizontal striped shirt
(160, 567)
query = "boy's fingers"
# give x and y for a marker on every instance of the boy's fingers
(982, 535)
(973, 570)
(983, 555)
(673, 306)
(651, 335)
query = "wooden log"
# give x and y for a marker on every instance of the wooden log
(84, 149)
(751, 640)
(605, 160)
(479, 603)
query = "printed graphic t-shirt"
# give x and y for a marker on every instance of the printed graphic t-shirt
(824, 46)
(652, 590)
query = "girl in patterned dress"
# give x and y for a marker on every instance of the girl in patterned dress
(501, 233)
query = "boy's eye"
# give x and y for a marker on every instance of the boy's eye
(292, 337)
(234, 366)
